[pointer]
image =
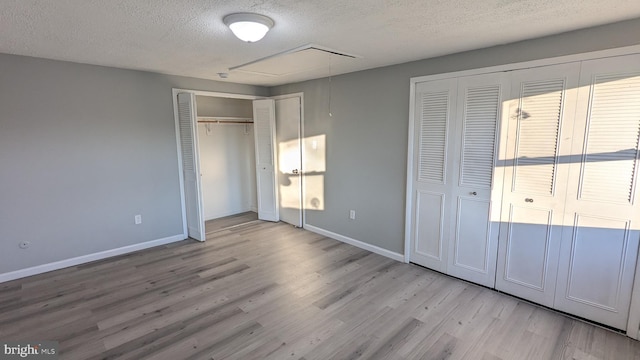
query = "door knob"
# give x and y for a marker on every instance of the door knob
(474, 193)
(295, 171)
(529, 200)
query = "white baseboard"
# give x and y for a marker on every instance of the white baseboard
(39, 269)
(357, 243)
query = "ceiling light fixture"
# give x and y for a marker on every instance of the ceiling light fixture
(247, 26)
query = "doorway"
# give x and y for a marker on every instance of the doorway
(219, 145)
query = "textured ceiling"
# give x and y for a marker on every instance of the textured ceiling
(187, 37)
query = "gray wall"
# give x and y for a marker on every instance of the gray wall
(219, 106)
(82, 150)
(366, 137)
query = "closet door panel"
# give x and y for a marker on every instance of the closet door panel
(535, 174)
(596, 280)
(429, 230)
(528, 237)
(473, 240)
(472, 236)
(600, 239)
(264, 126)
(191, 166)
(434, 111)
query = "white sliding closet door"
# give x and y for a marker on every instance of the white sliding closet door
(434, 109)
(264, 126)
(473, 234)
(191, 165)
(600, 239)
(535, 178)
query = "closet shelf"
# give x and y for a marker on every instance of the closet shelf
(224, 120)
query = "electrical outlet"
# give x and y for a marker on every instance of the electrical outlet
(138, 219)
(352, 214)
(24, 244)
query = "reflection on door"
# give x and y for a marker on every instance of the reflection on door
(288, 135)
(601, 232)
(534, 181)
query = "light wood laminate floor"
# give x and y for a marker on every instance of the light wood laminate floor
(271, 291)
(215, 225)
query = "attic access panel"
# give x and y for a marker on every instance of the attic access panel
(303, 59)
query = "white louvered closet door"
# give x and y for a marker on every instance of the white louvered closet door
(191, 165)
(602, 221)
(473, 240)
(535, 175)
(434, 111)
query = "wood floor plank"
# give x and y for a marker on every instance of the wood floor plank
(260, 290)
(230, 221)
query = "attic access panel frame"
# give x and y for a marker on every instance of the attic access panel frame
(297, 60)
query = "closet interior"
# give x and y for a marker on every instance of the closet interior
(227, 156)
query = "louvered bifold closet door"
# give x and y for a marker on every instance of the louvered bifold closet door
(190, 165)
(602, 221)
(474, 223)
(434, 109)
(536, 151)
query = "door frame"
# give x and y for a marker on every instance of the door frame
(633, 325)
(174, 94)
(302, 154)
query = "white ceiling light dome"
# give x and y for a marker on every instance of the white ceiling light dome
(248, 27)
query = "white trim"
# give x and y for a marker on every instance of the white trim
(627, 50)
(408, 211)
(310, 46)
(174, 94)
(220, 94)
(183, 205)
(357, 243)
(302, 157)
(287, 96)
(39, 269)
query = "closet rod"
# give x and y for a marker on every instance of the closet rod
(224, 122)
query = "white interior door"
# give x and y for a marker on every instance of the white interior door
(474, 227)
(191, 165)
(435, 106)
(540, 116)
(264, 125)
(602, 221)
(288, 133)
